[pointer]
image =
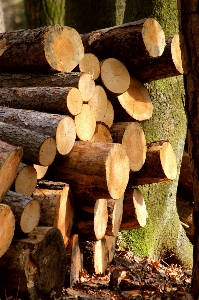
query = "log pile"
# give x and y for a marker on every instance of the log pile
(72, 148)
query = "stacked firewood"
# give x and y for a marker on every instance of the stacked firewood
(72, 148)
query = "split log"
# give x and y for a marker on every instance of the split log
(86, 86)
(99, 103)
(101, 134)
(43, 49)
(134, 210)
(85, 123)
(167, 65)
(7, 225)
(60, 79)
(41, 171)
(160, 165)
(34, 267)
(54, 125)
(56, 100)
(26, 180)
(135, 42)
(10, 158)
(74, 265)
(132, 137)
(37, 148)
(93, 170)
(57, 209)
(90, 64)
(26, 211)
(109, 116)
(136, 103)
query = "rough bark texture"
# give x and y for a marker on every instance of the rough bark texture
(188, 18)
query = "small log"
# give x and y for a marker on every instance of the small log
(111, 242)
(136, 103)
(85, 123)
(41, 171)
(10, 158)
(60, 79)
(34, 267)
(90, 64)
(160, 165)
(38, 149)
(57, 209)
(115, 211)
(94, 170)
(134, 210)
(115, 76)
(86, 86)
(25, 209)
(26, 180)
(7, 225)
(54, 125)
(56, 100)
(109, 116)
(135, 42)
(101, 134)
(99, 103)
(132, 137)
(43, 49)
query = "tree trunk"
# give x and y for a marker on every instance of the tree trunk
(188, 18)
(43, 13)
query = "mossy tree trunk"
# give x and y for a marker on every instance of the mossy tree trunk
(163, 235)
(44, 12)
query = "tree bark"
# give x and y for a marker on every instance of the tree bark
(43, 49)
(7, 225)
(38, 149)
(34, 267)
(26, 211)
(10, 158)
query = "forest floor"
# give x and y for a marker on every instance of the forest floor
(130, 277)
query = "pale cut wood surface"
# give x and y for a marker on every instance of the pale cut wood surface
(90, 64)
(86, 86)
(109, 116)
(26, 180)
(41, 171)
(101, 134)
(7, 225)
(99, 103)
(115, 212)
(85, 123)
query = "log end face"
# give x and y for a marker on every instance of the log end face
(30, 216)
(168, 161)
(47, 152)
(86, 86)
(65, 135)
(140, 207)
(26, 181)
(7, 228)
(153, 37)
(85, 123)
(176, 53)
(74, 101)
(100, 218)
(91, 65)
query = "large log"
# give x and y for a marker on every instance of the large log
(34, 267)
(160, 165)
(56, 100)
(37, 148)
(10, 158)
(134, 42)
(61, 127)
(7, 225)
(26, 211)
(134, 210)
(57, 208)
(94, 170)
(43, 49)
(26, 180)
(132, 137)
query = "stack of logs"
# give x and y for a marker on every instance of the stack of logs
(72, 148)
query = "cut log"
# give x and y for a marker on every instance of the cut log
(167, 65)
(134, 210)
(54, 125)
(115, 76)
(85, 123)
(94, 170)
(25, 209)
(56, 100)
(160, 165)
(42, 49)
(101, 134)
(7, 225)
(111, 242)
(34, 267)
(74, 264)
(38, 149)
(135, 42)
(90, 64)
(99, 103)
(60, 79)
(132, 137)
(57, 209)
(10, 158)
(26, 180)
(136, 102)
(86, 86)
(109, 116)
(115, 211)
(41, 171)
